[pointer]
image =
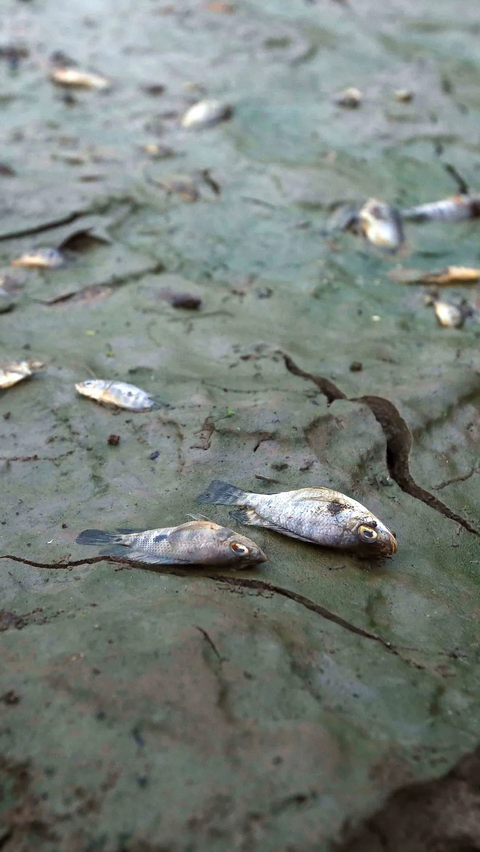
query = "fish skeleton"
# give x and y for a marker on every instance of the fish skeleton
(121, 394)
(455, 209)
(317, 515)
(197, 542)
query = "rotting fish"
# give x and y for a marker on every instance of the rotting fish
(317, 515)
(455, 209)
(449, 314)
(16, 372)
(206, 113)
(120, 394)
(41, 258)
(198, 542)
(440, 277)
(381, 224)
(75, 77)
(349, 98)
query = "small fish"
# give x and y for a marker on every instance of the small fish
(455, 209)
(404, 96)
(440, 277)
(75, 77)
(120, 394)
(349, 98)
(206, 113)
(343, 218)
(381, 224)
(317, 515)
(41, 258)
(197, 542)
(449, 314)
(16, 372)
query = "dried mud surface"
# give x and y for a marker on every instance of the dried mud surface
(318, 703)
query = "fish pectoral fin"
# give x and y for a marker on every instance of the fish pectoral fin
(252, 518)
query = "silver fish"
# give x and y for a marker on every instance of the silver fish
(121, 394)
(455, 209)
(206, 113)
(349, 98)
(16, 372)
(450, 315)
(76, 78)
(317, 515)
(41, 258)
(195, 543)
(381, 224)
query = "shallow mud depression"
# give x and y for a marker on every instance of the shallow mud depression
(317, 702)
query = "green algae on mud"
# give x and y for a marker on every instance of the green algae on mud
(184, 711)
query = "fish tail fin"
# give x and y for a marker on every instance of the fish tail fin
(222, 492)
(97, 537)
(246, 515)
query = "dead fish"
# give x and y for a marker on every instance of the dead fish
(75, 77)
(349, 98)
(449, 314)
(317, 515)
(404, 96)
(41, 258)
(381, 225)
(120, 394)
(440, 277)
(194, 543)
(16, 372)
(455, 209)
(206, 113)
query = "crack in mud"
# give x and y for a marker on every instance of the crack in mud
(235, 582)
(180, 437)
(35, 457)
(398, 440)
(460, 478)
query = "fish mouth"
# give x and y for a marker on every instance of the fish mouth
(390, 547)
(261, 557)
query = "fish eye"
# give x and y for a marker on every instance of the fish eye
(239, 549)
(367, 533)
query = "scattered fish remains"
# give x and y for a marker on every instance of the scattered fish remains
(41, 258)
(120, 394)
(440, 277)
(197, 542)
(449, 314)
(71, 76)
(381, 225)
(455, 209)
(16, 372)
(349, 98)
(206, 113)
(404, 96)
(317, 515)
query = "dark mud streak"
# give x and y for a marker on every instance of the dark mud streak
(433, 816)
(398, 438)
(40, 229)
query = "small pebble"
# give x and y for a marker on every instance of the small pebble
(154, 455)
(187, 301)
(356, 367)
(114, 440)
(349, 98)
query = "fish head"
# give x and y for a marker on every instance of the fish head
(374, 539)
(237, 550)
(381, 225)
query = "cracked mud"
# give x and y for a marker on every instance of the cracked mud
(318, 702)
